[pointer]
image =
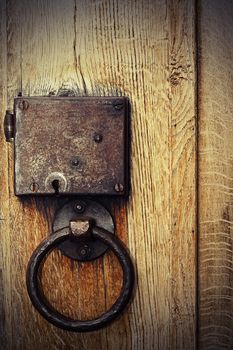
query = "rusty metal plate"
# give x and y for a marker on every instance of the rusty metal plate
(71, 145)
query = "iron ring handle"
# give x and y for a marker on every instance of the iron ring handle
(52, 315)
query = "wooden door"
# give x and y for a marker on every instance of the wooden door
(146, 50)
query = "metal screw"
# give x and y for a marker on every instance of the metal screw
(119, 187)
(118, 104)
(34, 187)
(75, 161)
(85, 251)
(80, 207)
(98, 138)
(23, 105)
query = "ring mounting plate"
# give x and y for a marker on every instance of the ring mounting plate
(88, 249)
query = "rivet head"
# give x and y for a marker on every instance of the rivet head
(118, 104)
(80, 207)
(85, 251)
(98, 138)
(75, 161)
(23, 105)
(119, 187)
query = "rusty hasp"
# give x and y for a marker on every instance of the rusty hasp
(71, 145)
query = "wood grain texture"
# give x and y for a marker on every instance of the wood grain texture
(5, 266)
(215, 175)
(144, 50)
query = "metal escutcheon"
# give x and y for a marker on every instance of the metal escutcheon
(86, 249)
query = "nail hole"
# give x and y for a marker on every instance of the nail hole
(55, 185)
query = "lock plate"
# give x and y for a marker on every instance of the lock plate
(71, 145)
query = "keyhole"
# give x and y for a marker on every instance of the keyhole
(55, 184)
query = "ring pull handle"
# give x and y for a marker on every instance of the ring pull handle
(78, 229)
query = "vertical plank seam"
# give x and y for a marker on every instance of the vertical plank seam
(8, 168)
(197, 92)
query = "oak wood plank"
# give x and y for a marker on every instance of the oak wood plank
(215, 174)
(5, 267)
(144, 50)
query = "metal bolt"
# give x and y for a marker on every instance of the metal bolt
(85, 251)
(75, 161)
(119, 187)
(80, 207)
(23, 105)
(98, 138)
(118, 104)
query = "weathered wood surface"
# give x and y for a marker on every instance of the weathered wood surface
(144, 50)
(215, 174)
